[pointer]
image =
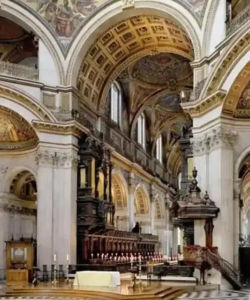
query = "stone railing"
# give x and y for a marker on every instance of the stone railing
(18, 71)
(239, 20)
(134, 152)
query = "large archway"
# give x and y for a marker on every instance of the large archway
(112, 14)
(18, 189)
(120, 200)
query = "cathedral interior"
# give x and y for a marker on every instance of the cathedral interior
(124, 146)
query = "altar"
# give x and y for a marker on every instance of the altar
(97, 278)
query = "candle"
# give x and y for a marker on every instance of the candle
(54, 257)
(67, 258)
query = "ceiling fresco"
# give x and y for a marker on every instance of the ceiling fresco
(15, 132)
(163, 69)
(65, 17)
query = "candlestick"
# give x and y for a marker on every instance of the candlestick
(131, 261)
(67, 258)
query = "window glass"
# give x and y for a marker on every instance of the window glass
(159, 148)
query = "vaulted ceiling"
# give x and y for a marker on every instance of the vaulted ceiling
(123, 45)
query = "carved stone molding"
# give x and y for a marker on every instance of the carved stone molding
(71, 127)
(199, 108)
(57, 159)
(25, 101)
(216, 138)
(128, 4)
(12, 207)
(3, 170)
(234, 54)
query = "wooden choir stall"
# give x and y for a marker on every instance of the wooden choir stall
(96, 236)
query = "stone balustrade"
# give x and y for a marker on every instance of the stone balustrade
(18, 71)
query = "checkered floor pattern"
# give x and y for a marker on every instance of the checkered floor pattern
(214, 295)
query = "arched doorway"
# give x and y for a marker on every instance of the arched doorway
(142, 209)
(119, 198)
(23, 197)
(18, 189)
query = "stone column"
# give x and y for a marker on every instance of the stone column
(152, 216)
(131, 201)
(237, 220)
(56, 210)
(221, 166)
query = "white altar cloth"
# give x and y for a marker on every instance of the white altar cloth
(97, 278)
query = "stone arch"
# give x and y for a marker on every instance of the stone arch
(112, 13)
(28, 19)
(208, 23)
(119, 194)
(230, 105)
(20, 182)
(142, 202)
(240, 160)
(25, 105)
(223, 68)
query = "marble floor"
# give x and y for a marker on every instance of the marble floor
(216, 294)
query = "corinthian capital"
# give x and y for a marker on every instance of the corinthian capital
(57, 158)
(219, 137)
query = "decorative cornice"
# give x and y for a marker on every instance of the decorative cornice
(200, 107)
(11, 204)
(66, 128)
(215, 138)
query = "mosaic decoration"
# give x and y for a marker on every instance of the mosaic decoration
(244, 101)
(15, 132)
(67, 16)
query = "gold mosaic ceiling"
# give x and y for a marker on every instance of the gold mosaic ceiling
(124, 44)
(15, 132)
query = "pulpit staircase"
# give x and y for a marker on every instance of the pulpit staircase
(224, 267)
(205, 258)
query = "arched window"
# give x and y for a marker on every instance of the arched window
(159, 148)
(141, 133)
(115, 103)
